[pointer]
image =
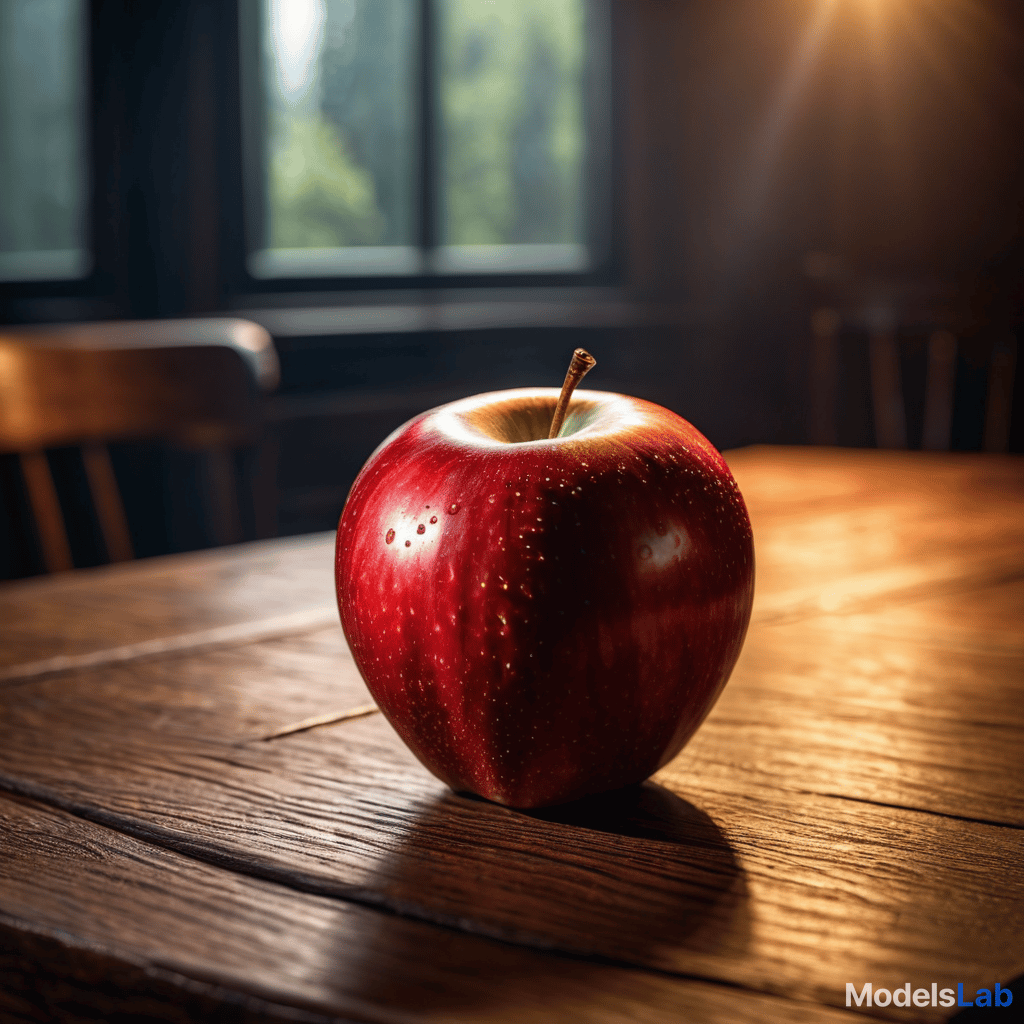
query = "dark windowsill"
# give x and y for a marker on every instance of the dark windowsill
(444, 311)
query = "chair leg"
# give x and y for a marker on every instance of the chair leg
(824, 382)
(887, 390)
(107, 498)
(1000, 395)
(938, 396)
(265, 493)
(222, 489)
(42, 496)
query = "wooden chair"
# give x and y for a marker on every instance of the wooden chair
(881, 316)
(194, 383)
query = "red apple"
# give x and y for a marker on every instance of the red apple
(545, 619)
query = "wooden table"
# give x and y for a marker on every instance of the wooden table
(852, 810)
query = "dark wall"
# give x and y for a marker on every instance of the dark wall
(771, 157)
(783, 155)
(760, 130)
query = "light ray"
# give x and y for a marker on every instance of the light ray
(756, 183)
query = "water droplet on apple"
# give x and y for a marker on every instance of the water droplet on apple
(453, 508)
(421, 528)
(645, 551)
(389, 536)
(660, 529)
(408, 543)
(433, 519)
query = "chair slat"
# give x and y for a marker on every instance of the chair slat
(938, 398)
(106, 497)
(42, 496)
(193, 383)
(887, 390)
(223, 494)
(1000, 395)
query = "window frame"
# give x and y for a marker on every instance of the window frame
(166, 221)
(138, 143)
(427, 265)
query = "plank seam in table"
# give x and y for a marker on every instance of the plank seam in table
(915, 810)
(301, 883)
(175, 978)
(315, 619)
(307, 620)
(782, 845)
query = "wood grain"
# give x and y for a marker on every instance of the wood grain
(304, 620)
(809, 708)
(851, 811)
(846, 530)
(185, 940)
(115, 606)
(814, 708)
(833, 532)
(761, 862)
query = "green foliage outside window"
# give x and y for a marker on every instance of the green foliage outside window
(511, 121)
(341, 160)
(319, 196)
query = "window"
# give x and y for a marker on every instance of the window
(439, 137)
(43, 140)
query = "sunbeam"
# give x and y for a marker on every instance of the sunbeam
(769, 140)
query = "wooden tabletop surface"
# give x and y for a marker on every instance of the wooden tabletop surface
(851, 811)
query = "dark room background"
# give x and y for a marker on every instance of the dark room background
(724, 201)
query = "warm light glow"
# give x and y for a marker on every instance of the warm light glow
(781, 112)
(884, 80)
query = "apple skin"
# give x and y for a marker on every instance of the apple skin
(541, 620)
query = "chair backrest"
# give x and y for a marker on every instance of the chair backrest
(997, 356)
(953, 341)
(195, 383)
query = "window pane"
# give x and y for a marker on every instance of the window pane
(42, 139)
(512, 124)
(338, 85)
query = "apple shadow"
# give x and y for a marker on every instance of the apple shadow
(638, 878)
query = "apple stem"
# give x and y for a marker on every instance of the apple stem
(582, 363)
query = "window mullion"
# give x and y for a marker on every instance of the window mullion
(427, 191)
